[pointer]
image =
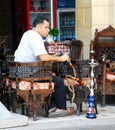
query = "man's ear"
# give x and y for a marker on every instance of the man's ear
(38, 26)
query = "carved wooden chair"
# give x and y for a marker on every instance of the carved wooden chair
(104, 47)
(33, 83)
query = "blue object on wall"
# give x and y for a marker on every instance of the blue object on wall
(65, 3)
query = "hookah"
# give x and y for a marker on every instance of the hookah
(91, 111)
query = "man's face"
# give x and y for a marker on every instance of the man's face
(44, 29)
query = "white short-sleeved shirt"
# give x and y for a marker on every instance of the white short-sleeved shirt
(31, 46)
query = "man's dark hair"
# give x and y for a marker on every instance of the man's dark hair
(39, 20)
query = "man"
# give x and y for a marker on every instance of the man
(32, 49)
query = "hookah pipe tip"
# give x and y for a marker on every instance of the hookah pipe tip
(71, 65)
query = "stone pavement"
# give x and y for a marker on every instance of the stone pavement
(9, 119)
(105, 121)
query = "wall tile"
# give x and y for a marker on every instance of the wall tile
(83, 17)
(104, 14)
(83, 3)
(83, 32)
(102, 2)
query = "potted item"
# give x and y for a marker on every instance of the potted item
(54, 33)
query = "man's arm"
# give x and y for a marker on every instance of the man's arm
(47, 57)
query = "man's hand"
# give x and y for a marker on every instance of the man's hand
(64, 57)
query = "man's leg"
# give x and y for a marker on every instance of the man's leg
(58, 99)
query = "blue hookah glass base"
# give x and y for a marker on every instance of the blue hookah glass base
(92, 116)
(91, 112)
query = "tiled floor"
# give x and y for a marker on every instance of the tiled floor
(104, 121)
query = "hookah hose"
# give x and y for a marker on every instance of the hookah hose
(71, 88)
(81, 82)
